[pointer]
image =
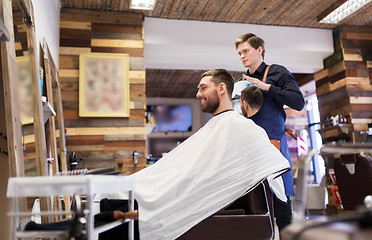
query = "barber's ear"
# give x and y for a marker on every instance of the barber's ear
(260, 50)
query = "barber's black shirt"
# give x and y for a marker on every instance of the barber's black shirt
(284, 88)
(271, 116)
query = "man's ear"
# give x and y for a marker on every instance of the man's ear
(260, 50)
(221, 88)
(246, 106)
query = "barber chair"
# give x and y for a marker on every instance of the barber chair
(354, 176)
(249, 217)
(354, 180)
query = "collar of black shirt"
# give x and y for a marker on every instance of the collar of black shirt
(259, 71)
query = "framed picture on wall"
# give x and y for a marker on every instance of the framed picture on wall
(104, 85)
(24, 83)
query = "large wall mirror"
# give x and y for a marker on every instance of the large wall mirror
(25, 95)
(37, 80)
(46, 78)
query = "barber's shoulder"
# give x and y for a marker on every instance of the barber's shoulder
(278, 68)
(279, 72)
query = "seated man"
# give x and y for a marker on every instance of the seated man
(218, 164)
(251, 100)
(221, 162)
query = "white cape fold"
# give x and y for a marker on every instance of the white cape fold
(212, 168)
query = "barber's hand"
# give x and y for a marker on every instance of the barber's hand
(257, 82)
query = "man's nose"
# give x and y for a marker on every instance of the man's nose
(198, 95)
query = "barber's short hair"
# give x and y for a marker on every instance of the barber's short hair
(253, 96)
(221, 76)
(253, 40)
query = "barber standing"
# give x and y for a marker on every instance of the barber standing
(279, 87)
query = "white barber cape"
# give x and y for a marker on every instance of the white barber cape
(212, 168)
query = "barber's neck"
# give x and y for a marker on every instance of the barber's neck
(254, 67)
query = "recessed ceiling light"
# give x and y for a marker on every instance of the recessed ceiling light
(342, 11)
(142, 4)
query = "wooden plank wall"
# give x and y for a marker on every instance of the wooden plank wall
(102, 142)
(344, 86)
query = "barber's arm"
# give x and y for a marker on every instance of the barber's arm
(284, 89)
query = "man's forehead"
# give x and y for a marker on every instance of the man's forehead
(207, 80)
(243, 45)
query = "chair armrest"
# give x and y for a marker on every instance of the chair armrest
(239, 211)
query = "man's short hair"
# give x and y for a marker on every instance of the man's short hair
(221, 76)
(253, 40)
(253, 96)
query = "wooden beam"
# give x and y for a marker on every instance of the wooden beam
(39, 129)
(61, 135)
(52, 124)
(61, 125)
(330, 9)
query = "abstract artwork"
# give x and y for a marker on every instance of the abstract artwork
(103, 85)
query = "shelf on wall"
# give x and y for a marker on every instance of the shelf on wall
(337, 132)
(48, 111)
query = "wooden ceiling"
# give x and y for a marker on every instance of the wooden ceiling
(297, 13)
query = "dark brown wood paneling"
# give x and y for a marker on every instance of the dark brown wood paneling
(85, 140)
(74, 42)
(354, 43)
(82, 15)
(114, 28)
(335, 96)
(75, 34)
(361, 107)
(135, 52)
(125, 145)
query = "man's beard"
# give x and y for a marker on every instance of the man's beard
(212, 104)
(244, 112)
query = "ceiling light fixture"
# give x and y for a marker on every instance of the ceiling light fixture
(340, 10)
(142, 4)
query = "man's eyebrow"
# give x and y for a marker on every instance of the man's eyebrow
(201, 84)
